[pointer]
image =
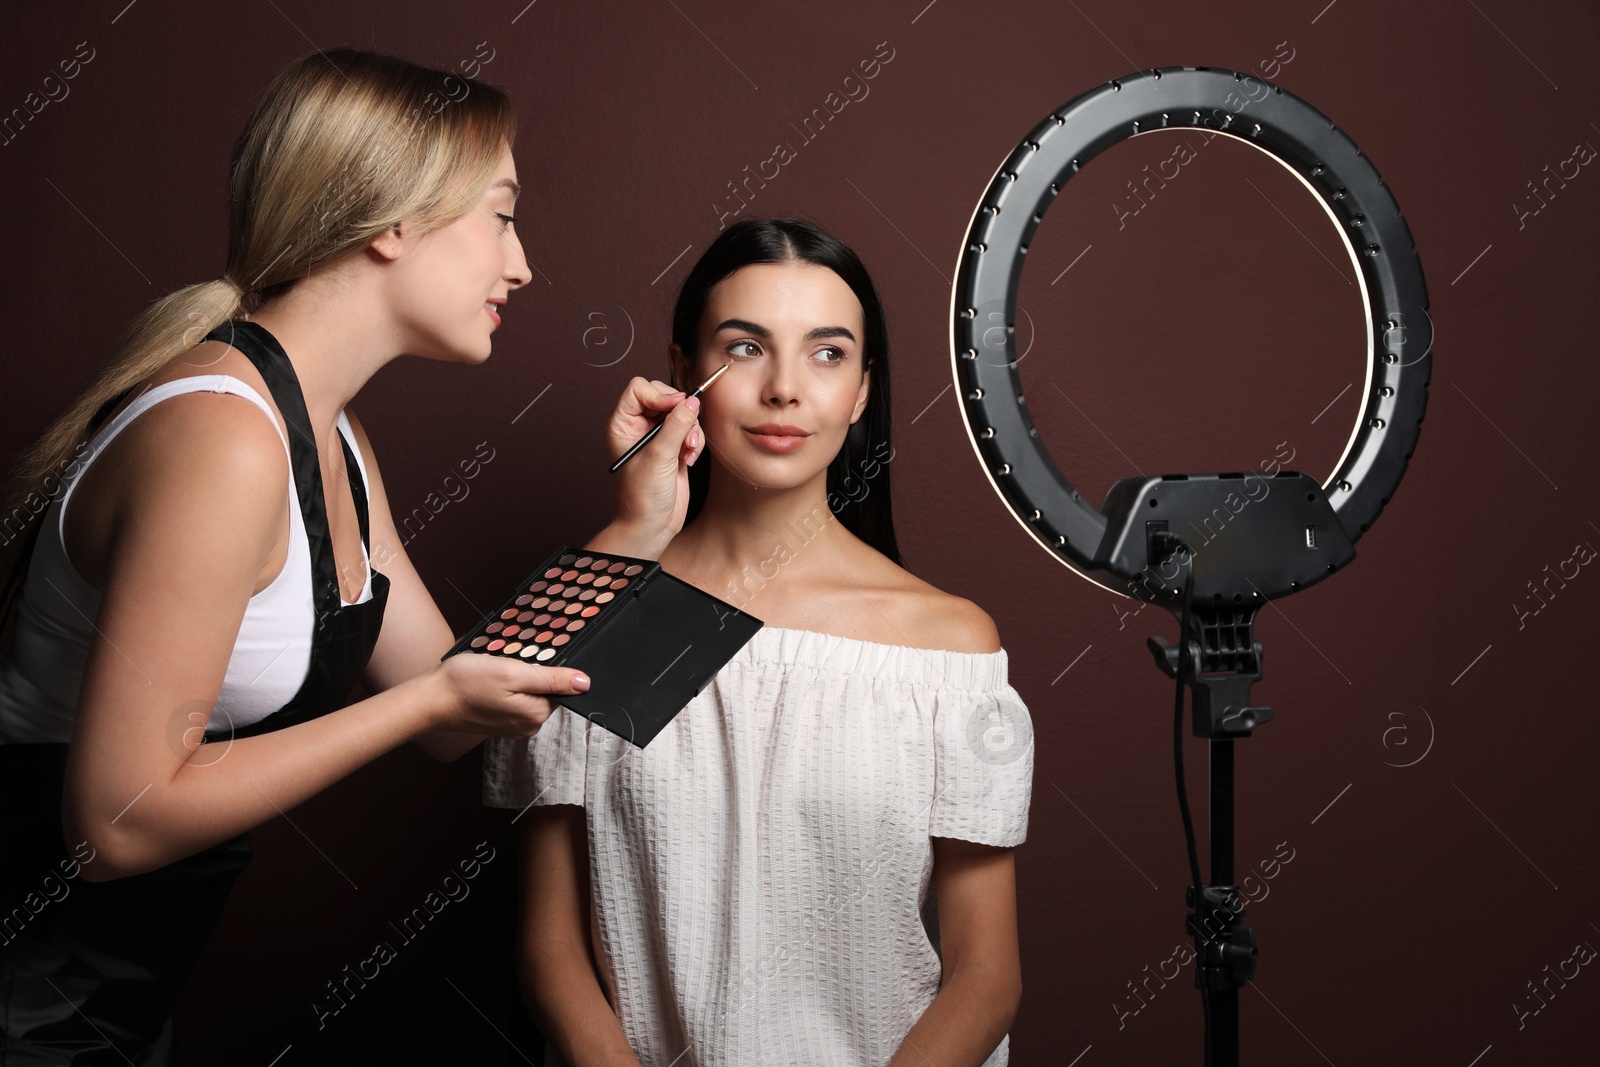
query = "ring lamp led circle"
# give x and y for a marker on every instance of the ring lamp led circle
(1295, 135)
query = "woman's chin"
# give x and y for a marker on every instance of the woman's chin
(766, 471)
(471, 355)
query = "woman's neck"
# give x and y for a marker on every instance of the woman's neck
(742, 526)
(335, 343)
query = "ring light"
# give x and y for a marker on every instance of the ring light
(1106, 547)
(1295, 531)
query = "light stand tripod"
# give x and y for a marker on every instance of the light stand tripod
(1283, 535)
(1225, 952)
(1273, 534)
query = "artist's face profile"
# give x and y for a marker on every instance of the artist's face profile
(450, 285)
(793, 335)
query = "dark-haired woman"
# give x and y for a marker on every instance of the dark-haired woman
(212, 566)
(812, 863)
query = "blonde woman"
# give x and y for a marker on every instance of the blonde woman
(211, 556)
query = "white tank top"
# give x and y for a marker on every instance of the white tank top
(41, 672)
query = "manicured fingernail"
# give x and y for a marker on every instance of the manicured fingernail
(580, 682)
(693, 404)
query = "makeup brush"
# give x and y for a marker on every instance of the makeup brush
(647, 438)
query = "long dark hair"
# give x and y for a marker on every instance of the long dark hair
(858, 477)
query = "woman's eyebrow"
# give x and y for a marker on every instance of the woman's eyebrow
(516, 190)
(742, 325)
(818, 333)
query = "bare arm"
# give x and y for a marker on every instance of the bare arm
(555, 961)
(654, 494)
(203, 487)
(982, 974)
(415, 633)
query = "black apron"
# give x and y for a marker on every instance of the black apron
(90, 971)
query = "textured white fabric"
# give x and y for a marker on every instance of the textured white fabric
(761, 873)
(42, 670)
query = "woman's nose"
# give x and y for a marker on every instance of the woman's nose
(517, 273)
(782, 384)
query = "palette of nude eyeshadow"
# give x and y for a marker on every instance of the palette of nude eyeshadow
(648, 641)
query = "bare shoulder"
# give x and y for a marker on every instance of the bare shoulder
(226, 427)
(925, 616)
(205, 443)
(205, 470)
(229, 425)
(956, 624)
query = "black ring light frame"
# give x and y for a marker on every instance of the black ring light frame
(1295, 533)
(1296, 135)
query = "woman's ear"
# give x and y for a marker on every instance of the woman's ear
(388, 244)
(680, 368)
(862, 394)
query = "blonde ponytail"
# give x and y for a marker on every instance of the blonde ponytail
(166, 329)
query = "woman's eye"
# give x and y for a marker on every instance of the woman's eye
(507, 219)
(830, 356)
(739, 348)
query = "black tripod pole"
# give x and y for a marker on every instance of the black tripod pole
(1222, 1005)
(1223, 661)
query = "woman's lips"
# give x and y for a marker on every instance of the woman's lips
(492, 313)
(786, 439)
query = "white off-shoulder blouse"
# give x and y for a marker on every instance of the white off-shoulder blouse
(760, 874)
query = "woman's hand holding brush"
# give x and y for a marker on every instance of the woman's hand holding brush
(661, 426)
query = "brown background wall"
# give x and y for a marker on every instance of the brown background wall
(1431, 766)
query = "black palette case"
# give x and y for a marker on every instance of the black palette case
(649, 642)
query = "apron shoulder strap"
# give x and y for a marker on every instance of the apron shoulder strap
(358, 490)
(269, 358)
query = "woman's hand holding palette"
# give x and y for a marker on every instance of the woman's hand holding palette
(648, 641)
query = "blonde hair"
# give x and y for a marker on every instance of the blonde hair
(341, 147)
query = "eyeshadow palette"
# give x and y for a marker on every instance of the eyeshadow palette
(648, 641)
